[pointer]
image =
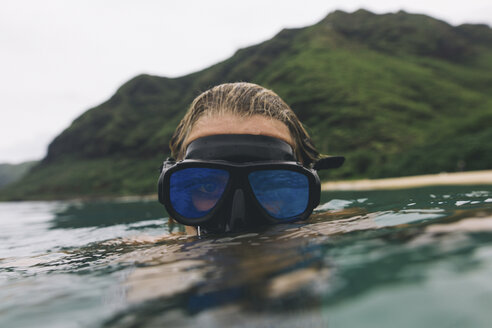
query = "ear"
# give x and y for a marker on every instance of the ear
(330, 162)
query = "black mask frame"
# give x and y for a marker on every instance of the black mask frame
(238, 173)
(240, 154)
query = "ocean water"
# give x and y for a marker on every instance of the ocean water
(402, 258)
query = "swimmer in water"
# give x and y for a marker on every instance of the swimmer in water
(241, 160)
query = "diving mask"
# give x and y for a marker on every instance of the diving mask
(236, 182)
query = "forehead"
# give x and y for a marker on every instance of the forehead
(233, 124)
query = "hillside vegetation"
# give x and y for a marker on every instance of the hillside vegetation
(397, 94)
(10, 173)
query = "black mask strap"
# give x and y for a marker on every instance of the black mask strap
(240, 148)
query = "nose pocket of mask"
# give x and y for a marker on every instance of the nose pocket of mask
(238, 210)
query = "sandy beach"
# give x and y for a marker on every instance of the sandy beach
(460, 178)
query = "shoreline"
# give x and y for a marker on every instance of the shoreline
(439, 179)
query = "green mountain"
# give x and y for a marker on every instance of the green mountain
(397, 94)
(10, 173)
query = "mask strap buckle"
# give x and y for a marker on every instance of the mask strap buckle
(331, 162)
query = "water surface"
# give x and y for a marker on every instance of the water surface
(407, 258)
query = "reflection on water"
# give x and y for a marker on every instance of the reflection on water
(406, 258)
(103, 214)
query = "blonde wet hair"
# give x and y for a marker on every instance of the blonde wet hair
(243, 100)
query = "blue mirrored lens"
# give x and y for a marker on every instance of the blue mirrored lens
(283, 194)
(195, 191)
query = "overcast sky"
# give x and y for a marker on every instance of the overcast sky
(59, 58)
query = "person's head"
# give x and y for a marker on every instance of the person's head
(242, 108)
(243, 159)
